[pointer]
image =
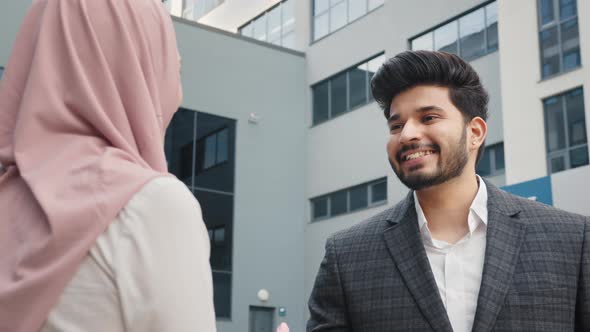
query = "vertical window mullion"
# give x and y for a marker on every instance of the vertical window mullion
(566, 131)
(367, 83)
(558, 22)
(329, 206)
(329, 99)
(347, 90)
(194, 157)
(459, 36)
(347, 200)
(485, 27)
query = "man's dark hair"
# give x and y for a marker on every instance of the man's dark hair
(412, 68)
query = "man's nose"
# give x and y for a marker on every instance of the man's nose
(411, 131)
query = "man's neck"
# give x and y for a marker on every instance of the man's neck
(446, 206)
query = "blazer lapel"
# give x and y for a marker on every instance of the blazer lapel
(404, 243)
(504, 235)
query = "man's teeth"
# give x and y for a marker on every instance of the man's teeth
(417, 155)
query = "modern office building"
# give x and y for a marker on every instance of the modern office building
(280, 140)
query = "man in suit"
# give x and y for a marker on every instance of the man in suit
(457, 254)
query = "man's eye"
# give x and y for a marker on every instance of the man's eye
(428, 118)
(395, 127)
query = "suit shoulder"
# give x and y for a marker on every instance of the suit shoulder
(368, 228)
(543, 212)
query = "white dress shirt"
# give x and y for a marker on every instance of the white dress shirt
(458, 267)
(149, 270)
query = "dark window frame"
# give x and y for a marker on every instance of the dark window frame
(491, 150)
(370, 204)
(488, 49)
(368, 96)
(556, 23)
(327, 11)
(567, 149)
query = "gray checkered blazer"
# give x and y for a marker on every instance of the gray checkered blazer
(375, 276)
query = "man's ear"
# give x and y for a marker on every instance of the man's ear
(477, 132)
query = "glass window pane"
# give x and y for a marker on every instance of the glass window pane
(222, 146)
(274, 25)
(471, 28)
(374, 4)
(570, 44)
(499, 156)
(1, 72)
(218, 215)
(210, 153)
(547, 11)
(445, 38)
(320, 207)
(554, 124)
(260, 28)
(576, 119)
(219, 236)
(359, 197)
(288, 16)
(321, 27)
(246, 30)
(379, 192)
(289, 40)
(338, 94)
(338, 203)
(423, 42)
(338, 16)
(222, 294)
(557, 164)
(492, 26)
(549, 51)
(320, 102)
(484, 167)
(356, 9)
(357, 82)
(178, 145)
(579, 157)
(567, 9)
(320, 6)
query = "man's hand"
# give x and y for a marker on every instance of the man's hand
(283, 328)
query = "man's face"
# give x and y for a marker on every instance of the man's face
(427, 142)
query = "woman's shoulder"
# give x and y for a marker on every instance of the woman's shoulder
(164, 193)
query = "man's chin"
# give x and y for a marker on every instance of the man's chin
(419, 181)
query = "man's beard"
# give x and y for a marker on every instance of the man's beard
(453, 166)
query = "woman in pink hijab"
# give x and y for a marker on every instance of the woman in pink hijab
(95, 235)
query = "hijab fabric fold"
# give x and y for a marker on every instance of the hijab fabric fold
(87, 94)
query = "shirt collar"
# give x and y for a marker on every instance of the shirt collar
(479, 207)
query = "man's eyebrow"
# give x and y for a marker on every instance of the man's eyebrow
(423, 109)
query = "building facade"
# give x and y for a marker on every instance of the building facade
(280, 140)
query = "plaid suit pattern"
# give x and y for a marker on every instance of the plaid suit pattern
(375, 276)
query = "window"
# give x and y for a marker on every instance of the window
(212, 150)
(1, 72)
(275, 25)
(492, 161)
(213, 187)
(345, 91)
(349, 200)
(470, 36)
(331, 15)
(565, 131)
(559, 37)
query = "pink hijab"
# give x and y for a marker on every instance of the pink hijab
(88, 92)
